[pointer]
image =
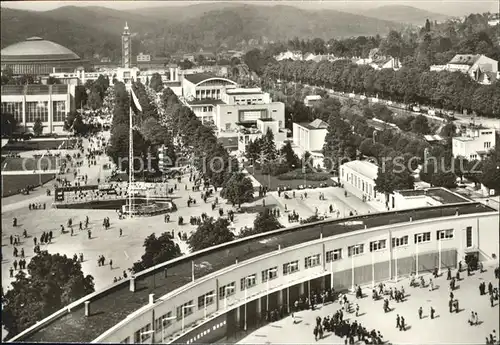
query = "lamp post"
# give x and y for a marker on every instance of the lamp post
(289, 270)
(396, 265)
(184, 307)
(205, 304)
(439, 256)
(163, 326)
(373, 271)
(226, 289)
(246, 288)
(416, 258)
(269, 271)
(3, 169)
(331, 272)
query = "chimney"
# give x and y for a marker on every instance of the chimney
(132, 284)
(87, 308)
(151, 298)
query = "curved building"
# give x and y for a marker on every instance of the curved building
(211, 295)
(37, 56)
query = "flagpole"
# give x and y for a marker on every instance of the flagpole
(130, 160)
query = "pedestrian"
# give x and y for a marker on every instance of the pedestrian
(11, 271)
(357, 309)
(11, 239)
(398, 323)
(432, 312)
(15, 265)
(121, 232)
(403, 326)
(420, 311)
(111, 264)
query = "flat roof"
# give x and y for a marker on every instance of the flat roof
(440, 194)
(364, 168)
(205, 101)
(113, 306)
(242, 91)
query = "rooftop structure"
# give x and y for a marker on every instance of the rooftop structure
(474, 143)
(310, 100)
(309, 136)
(38, 56)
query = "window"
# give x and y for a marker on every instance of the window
(248, 281)
(334, 255)
(468, 236)
(399, 241)
(35, 110)
(377, 245)
(441, 234)
(163, 322)
(270, 273)
(142, 335)
(15, 109)
(355, 250)
(290, 267)
(125, 341)
(312, 261)
(487, 145)
(423, 237)
(473, 156)
(208, 297)
(227, 290)
(58, 111)
(185, 309)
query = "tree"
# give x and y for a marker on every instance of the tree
(38, 127)
(420, 125)
(94, 101)
(291, 158)
(157, 250)
(448, 130)
(238, 189)
(8, 124)
(268, 146)
(264, 222)
(393, 174)
(491, 170)
(210, 233)
(156, 83)
(53, 281)
(253, 149)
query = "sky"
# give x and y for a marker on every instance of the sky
(449, 7)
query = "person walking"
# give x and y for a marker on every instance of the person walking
(11, 271)
(420, 312)
(111, 264)
(15, 265)
(121, 232)
(398, 321)
(357, 309)
(432, 312)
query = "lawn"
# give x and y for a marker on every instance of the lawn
(30, 164)
(11, 184)
(273, 182)
(32, 145)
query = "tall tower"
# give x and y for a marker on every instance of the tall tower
(126, 48)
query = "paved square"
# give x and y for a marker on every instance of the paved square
(446, 328)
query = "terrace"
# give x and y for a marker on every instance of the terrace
(114, 304)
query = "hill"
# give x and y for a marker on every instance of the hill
(91, 30)
(404, 14)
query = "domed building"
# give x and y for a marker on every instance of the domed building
(37, 56)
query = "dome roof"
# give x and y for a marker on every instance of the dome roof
(37, 49)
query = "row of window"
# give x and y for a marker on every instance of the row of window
(35, 110)
(207, 331)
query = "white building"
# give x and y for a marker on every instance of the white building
(474, 144)
(359, 178)
(480, 68)
(290, 55)
(27, 103)
(202, 86)
(310, 136)
(311, 100)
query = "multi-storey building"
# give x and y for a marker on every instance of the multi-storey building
(27, 103)
(474, 144)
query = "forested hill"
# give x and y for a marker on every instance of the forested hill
(90, 30)
(404, 14)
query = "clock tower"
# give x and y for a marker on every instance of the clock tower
(126, 48)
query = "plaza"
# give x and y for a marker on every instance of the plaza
(446, 327)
